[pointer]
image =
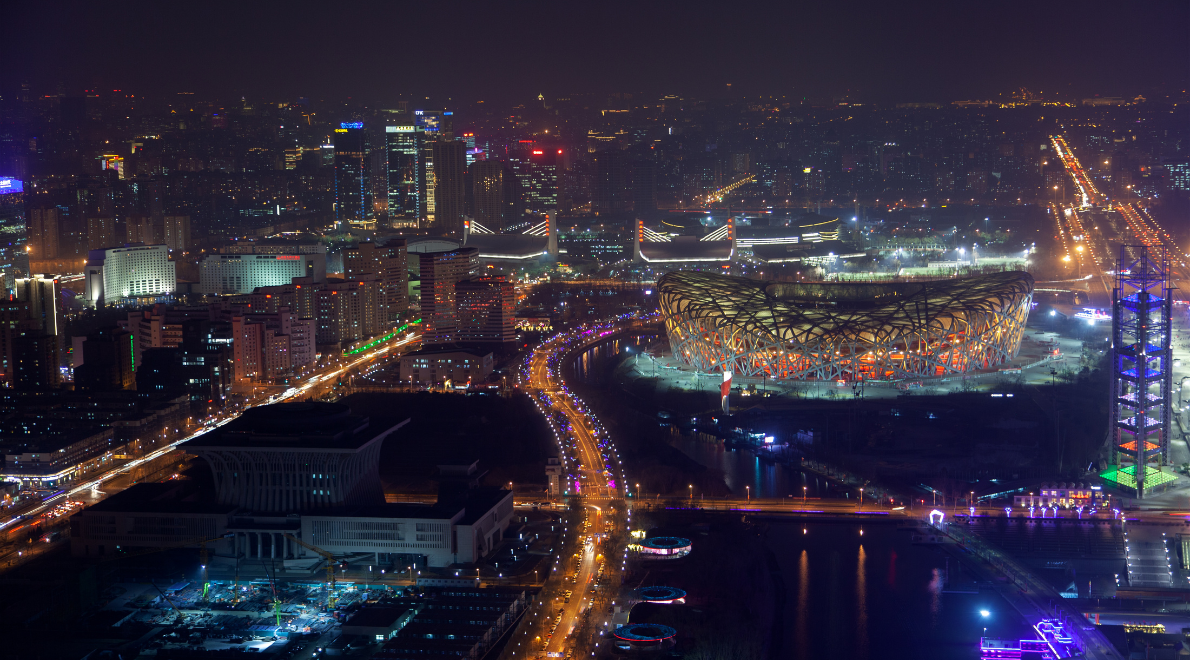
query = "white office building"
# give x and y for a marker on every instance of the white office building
(134, 271)
(242, 273)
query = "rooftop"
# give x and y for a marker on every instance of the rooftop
(305, 425)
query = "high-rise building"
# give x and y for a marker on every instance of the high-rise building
(389, 263)
(101, 232)
(486, 310)
(105, 361)
(353, 175)
(487, 182)
(43, 297)
(537, 171)
(349, 310)
(440, 272)
(14, 260)
(300, 296)
(129, 272)
(43, 233)
(450, 168)
(151, 329)
(244, 273)
(140, 229)
(35, 362)
(261, 347)
(177, 232)
(406, 174)
(13, 317)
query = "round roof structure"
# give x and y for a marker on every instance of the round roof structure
(844, 331)
(659, 594)
(666, 542)
(639, 633)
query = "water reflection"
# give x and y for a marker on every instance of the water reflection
(861, 604)
(802, 629)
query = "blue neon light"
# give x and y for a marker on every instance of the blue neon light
(351, 124)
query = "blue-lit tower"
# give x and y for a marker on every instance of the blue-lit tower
(353, 175)
(1142, 375)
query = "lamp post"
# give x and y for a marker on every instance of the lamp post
(861, 499)
(803, 496)
(691, 487)
(749, 496)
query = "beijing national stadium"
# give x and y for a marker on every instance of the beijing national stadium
(844, 331)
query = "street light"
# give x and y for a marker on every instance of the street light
(749, 489)
(803, 496)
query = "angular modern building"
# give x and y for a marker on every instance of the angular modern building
(852, 331)
(353, 175)
(133, 271)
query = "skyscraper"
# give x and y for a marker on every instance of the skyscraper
(610, 196)
(389, 263)
(450, 167)
(486, 307)
(537, 171)
(440, 272)
(487, 180)
(14, 261)
(43, 233)
(406, 173)
(353, 175)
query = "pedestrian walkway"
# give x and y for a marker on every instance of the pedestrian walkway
(1148, 557)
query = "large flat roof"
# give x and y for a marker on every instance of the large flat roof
(286, 426)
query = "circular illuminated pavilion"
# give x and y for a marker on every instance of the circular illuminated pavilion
(644, 635)
(666, 547)
(844, 331)
(660, 595)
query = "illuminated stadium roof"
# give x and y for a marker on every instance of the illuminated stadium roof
(846, 331)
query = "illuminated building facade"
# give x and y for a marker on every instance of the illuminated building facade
(450, 169)
(537, 171)
(406, 173)
(353, 175)
(243, 273)
(440, 272)
(136, 271)
(854, 331)
(14, 261)
(1142, 370)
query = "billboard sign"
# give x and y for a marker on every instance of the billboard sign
(8, 185)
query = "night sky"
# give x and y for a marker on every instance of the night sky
(506, 51)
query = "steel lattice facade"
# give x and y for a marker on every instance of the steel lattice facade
(852, 331)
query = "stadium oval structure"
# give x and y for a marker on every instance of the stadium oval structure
(844, 331)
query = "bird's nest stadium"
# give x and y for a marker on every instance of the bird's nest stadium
(846, 331)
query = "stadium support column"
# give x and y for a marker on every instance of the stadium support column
(1141, 370)
(551, 232)
(637, 238)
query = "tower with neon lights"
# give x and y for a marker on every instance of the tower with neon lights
(1142, 376)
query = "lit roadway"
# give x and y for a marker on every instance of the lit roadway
(312, 385)
(593, 484)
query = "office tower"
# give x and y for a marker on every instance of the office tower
(610, 196)
(14, 260)
(487, 183)
(105, 361)
(440, 272)
(128, 272)
(537, 171)
(406, 173)
(42, 296)
(486, 310)
(644, 187)
(389, 263)
(450, 167)
(177, 232)
(349, 310)
(35, 362)
(101, 232)
(43, 233)
(353, 174)
(440, 123)
(243, 273)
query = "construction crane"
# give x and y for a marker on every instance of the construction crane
(330, 566)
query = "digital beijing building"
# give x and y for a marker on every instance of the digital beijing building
(849, 331)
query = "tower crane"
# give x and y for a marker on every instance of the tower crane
(330, 566)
